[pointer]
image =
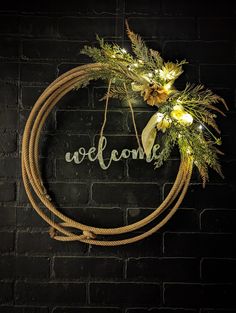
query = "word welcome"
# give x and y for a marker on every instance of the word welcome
(94, 154)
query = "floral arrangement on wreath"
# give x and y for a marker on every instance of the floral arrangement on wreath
(184, 117)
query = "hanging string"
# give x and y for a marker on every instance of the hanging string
(105, 116)
(133, 118)
(105, 112)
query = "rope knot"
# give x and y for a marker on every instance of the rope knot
(88, 234)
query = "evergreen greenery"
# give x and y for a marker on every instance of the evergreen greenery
(189, 114)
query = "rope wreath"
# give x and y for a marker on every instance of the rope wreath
(68, 229)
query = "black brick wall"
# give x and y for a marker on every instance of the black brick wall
(190, 265)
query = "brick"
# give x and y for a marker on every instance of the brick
(217, 311)
(7, 267)
(40, 243)
(216, 28)
(51, 50)
(161, 310)
(88, 268)
(229, 168)
(8, 119)
(23, 117)
(56, 145)
(190, 244)
(38, 26)
(217, 75)
(194, 295)
(8, 95)
(9, 71)
(163, 27)
(129, 193)
(218, 220)
(19, 267)
(227, 94)
(9, 24)
(144, 171)
(8, 168)
(229, 144)
(84, 121)
(163, 270)
(23, 309)
(86, 310)
(7, 216)
(96, 217)
(75, 99)
(149, 247)
(62, 193)
(199, 51)
(32, 267)
(213, 196)
(6, 292)
(50, 293)
(218, 270)
(8, 143)
(35, 72)
(192, 8)
(89, 170)
(87, 27)
(7, 242)
(69, 193)
(183, 220)
(90, 7)
(149, 7)
(28, 217)
(227, 124)
(7, 192)
(125, 293)
(9, 48)
(30, 95)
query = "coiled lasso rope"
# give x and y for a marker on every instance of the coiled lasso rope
(35, 189)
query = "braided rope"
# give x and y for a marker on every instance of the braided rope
(35, 189)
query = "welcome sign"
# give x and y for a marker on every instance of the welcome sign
(97, 154)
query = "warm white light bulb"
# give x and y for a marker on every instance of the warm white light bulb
(123, 50)
(167, 86)
(200, 127)
(187, 118)
(150, 75)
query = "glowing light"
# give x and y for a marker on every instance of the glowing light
(135, 64)
(150, 75)
(140, 61)
(123, 50)
(113, 56)
(168, 86)
(187, 118)
(200, 127)
(189, 150)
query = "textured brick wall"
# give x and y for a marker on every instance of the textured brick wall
(189, 266)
